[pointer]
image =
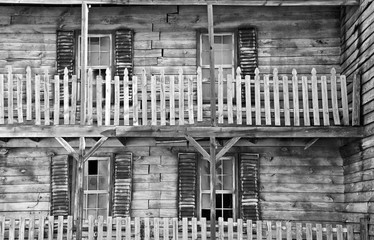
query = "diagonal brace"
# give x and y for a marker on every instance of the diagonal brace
(228, 145)
(198, 147)
(68, 148)
(97, 145)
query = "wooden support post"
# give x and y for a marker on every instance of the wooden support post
(212, 75)
(212, 188)
(228, 145)
(364, 228)
(84, 60)
(79, 188)
(356, 99)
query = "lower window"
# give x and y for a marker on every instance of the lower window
(226, 197)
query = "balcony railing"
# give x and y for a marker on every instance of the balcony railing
(168, 228)
(269, 100)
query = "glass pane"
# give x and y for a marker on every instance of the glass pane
(226, 57)
(94, 44)
(92, 201)
(105, 44)
(103, 168)
(218, 201)
(205, 169)
(205, 58)
(217, 39)
(103, 183)
(92, 167)
(103, 200)
(227, 166)
(205, 213)
(99, 72)
(105, 59)
(218, 57)
(227, 42)
(227, 200)
(102, 212)
(85, 185)
(91, 212)
(219, 182)
(205, 182)
(218, 214)
(227, 182)
(205, 43)
(93, 59)
(205, 203)
(227, 214)
(92, 183)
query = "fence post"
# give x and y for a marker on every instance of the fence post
(356, 99)
(364, 228)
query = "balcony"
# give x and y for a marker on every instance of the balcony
(175, 104)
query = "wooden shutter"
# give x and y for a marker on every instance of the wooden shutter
(123, 51)
(65, 51)
(61, 168)
(122, 185)
(249, 186)
(187, 184)
(247, 50)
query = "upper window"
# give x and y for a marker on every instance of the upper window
(99, 54)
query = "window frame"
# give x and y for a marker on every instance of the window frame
(236, 180)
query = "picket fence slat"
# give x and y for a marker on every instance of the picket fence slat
(178, 99)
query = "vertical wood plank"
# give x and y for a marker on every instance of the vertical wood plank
(128, 228)
(230, 229)
(2, 107)
(286, 102)
(305, 100)
(175, 228)
(344, 97)
(19, 98)
(89, 97)
(2, 225)
(319, 231)
(12, 228)
(108, 96)
(203, 229)
(334, 98)
(240, 229)
(259, 230)
(339, 232)
(257, 97)
(356, 99)
(60, 227)
(221, 229)
(289, 230)
(156, 226)
(99, 100)
(184, 228)
(267, 100)
(181, 97)
(199, 86)
(299, 233)
(295, 95)
(100, 225)
(32, 228)
(135, 101)
(220, 95)
(325, 103)
(153, 101)
(144, 98)
(69, 231)
(194, 228)
(316, 121)
(66, 96)
(28, 94)
(239, 115)
(166, 228)
(309, 232)
(230, 95)
(21, 231)
(51, 220)
(162, 98)
(37, 101)
(41, 227)
(350, 234)
(278, 233)
(118, 227)
(190, 101)
(126, 107)
(137, 228)
(276, 98)
(249, 230)
(172, 101)
(56, 108)
(74, 90)
(269, 231)
(329, 234)
(10, 95)
(109, 227)
(91, 227)
(248, 100)
(146, 228)
(116, 100)
(47, 82)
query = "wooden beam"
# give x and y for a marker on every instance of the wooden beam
(227, 147)
(26, 131)
(213, 188)
(194, 2)
(97, 145)
(79, 188)
(198, 147)
(84, 61)
(68, 148)
(212, 67)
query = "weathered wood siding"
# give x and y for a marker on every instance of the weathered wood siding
(295, 184)
(358, 56)
(165, 36)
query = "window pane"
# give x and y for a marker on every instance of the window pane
(92, 167)
(93, 59)
(205, 43)
(103, 200)
(94, 44)
(91, 212)
(205, 213)
(227, 200)
(205, 201)
(227, 42)
(102, 212)
(226, 57)
(227, 182)
(92, 183)
(105, 58)
(217, 39)
(219, 182)
(227, 165)
(103, 183)
(205, 58)
(218, 201)
(227, 214)
(91, 201)
(205, 182)
(103, 168)
(105, 44)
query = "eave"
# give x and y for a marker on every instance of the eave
(194, 2)
(24, 131)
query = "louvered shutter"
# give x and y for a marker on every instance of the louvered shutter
(123, 51)
(61, 168)
(65, 51)
(122, 185)
(247, 46)
(187, 184)
(249, 186)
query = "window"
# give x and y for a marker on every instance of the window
(99, 54)
(225, 188)
(224, 56)
(96, 187)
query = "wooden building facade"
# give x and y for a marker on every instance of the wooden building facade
(281, 159)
